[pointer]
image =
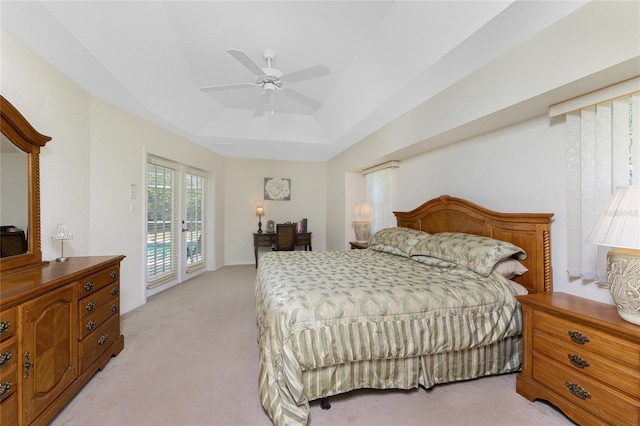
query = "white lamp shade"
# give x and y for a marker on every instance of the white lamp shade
(260, 211)
(362, 212)
(619, 224)
(62, 233)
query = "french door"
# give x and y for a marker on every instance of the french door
(176, 218)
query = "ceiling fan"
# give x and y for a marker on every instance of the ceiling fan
(272, 80)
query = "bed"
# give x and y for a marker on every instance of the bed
(423, 305)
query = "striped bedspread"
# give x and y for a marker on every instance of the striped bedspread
(331, 308)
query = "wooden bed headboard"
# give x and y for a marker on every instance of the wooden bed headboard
(529, 231)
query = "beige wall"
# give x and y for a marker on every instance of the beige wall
(244, 188)
(97, 151)
(488, 138)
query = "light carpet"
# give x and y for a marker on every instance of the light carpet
(191, 358)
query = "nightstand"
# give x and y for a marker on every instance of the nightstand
(358, 246)
(579, 355)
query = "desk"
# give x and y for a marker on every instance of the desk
(266, 240)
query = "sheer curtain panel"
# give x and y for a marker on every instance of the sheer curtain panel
(603, 152)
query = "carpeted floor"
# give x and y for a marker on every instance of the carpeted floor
(191, 358)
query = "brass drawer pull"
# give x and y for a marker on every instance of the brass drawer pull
(91, 306)
(577, 390)
(89, 286)
(114, 307)
(28, 365)
(578, 361)
(103, 339)
(114, 274)
(5, 358)
(114, 291)
(4, 327)
(579, 338)
(5, 388)
(91, 324)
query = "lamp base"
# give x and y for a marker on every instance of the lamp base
(623, 275)
(363, 231)
(62, 259)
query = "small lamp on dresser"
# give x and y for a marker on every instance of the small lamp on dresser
(61, 235)
(619, 227)
(260, 213)
(362, 214)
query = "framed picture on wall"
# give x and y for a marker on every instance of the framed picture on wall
(277, 189)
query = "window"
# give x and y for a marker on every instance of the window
(378, 189)
(195, 219)
(603, 152)
(162, 238)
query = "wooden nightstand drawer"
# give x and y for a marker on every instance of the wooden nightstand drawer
(583, 361)
(97, 281)
(7, 323)
(97, 342)
(601, 401)
(592, 339)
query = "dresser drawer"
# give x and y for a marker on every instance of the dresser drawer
(593, 339)
(97, 342)
(603, 402)
(7, 323)
(97, 308)
(8, 382)
(593, 364)
(9, 410)
(95, 282)
(8, 353)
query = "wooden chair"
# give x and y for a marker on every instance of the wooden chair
(285, 237)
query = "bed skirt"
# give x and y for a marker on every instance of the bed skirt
(504, 356)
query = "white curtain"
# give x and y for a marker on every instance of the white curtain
(603, 152)
(378, 186)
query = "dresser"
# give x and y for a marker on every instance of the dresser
(59, 325)
(580, 356)
(303, 239)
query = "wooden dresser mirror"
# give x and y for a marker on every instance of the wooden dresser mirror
(17, 130)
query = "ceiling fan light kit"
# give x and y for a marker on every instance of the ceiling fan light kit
(272, 80)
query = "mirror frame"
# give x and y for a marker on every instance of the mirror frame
(19, 131)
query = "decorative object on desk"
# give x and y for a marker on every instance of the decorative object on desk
(61, 234)
(277, 189)
(619, 227)
(362, 214)
(271, 227)
(260, 213)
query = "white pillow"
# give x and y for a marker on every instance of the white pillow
(509, 268)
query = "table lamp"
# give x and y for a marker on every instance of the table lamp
(362, 214)
(61, 234)
(619, 227)
(260, 213)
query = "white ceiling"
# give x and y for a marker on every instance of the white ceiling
(385, 58)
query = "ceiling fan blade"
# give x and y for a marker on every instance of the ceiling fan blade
(299, 97)
(307, 73)
(261, 106)
(227, 87)
(246, 61)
